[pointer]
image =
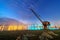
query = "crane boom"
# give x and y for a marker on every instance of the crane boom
(36, 15)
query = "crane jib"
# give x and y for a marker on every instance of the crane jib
(36, 15)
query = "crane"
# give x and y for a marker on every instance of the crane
(44, 23)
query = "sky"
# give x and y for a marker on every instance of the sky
(48, 10)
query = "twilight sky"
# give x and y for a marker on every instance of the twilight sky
(19, 10)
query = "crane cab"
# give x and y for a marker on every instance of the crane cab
(45, 24)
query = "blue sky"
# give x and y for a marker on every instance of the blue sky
(19, 10)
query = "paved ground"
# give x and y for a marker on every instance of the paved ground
(12, 35)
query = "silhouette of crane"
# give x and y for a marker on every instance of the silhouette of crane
(45, 23)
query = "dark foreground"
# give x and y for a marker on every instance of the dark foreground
(12, 35)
